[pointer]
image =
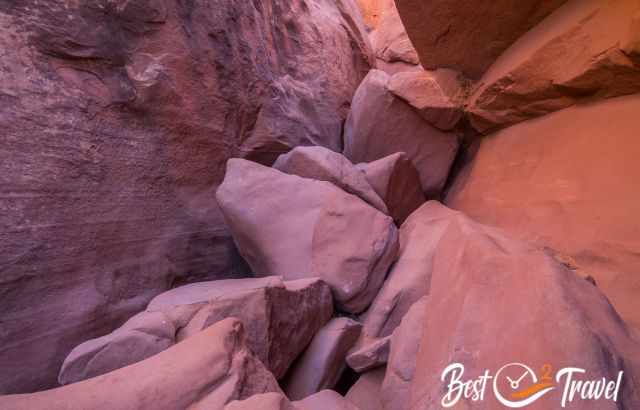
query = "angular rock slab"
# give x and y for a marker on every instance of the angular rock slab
(298, 227)
(390, 41)
(397, 182)
(438, 96)
(586, 50)
(380, 124)
(322, 363)
(324, 400)
(495, 300)
(161, 93)
(205, 372)
(322, 164)
(405, 342)
(280, 320)
(409, 279)
(369, 354)
(366, 392)
(468, 35)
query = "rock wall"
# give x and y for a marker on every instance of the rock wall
(118, 118)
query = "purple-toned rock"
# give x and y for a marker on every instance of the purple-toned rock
(366, 393)
(324, 400)
(298, 227)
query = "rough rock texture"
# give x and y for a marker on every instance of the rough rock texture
(280, 319)
(117, 119)
(586, 50)
(369, 354)
(374, 10)
(324, 400)
(401, 366)
(390, 41)
(322, 164)
(408, 281)
(322, 363)
(397, 182)
(366, 393)
(380, 124)
(467, 35)
(437, 95)
(298, 227)
(488, 287)
(205, 372)
(567, 181)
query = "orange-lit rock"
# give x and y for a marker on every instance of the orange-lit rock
(569, 181)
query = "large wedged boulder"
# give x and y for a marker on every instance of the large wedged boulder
(390, 41)
(280, 319)
(397, 182)
(467, 35)
(118, 118)
(323, 361)
(207, 371)
(408, 281)
(380, 124)
(322, 164)
(569, 184)
(405, 342)
(297, 227)
(586, 50)
(495, 300)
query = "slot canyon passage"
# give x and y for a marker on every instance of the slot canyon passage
(319, 204)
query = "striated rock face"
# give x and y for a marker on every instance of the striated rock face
(396, 181)
(495, 299)
(298, 227)
(467, 35)
(322, 363)
(118, 117)
(380, 124)
(567, 181)
(586, 50)
(280, 319)
(323, 164)
(206, 372)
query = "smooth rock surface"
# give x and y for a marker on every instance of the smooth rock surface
(369, 354)
(380, 124)
(390, 41)
(297, 227)
(405, 342)
(438, 95)
(409, 279)
(467, 35)
(585, 51)
(567, 181)
(322, 363)
(205, 372)
(396, 181)
(366, 392)
(322, 164)
(326, 399)
(495, 300)
(118, 118)
(280, 319)
(266, 401)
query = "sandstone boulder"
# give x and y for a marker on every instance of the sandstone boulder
(366, 392)
(369, 353)
(323, 362)
(397, 182)
(401, 366)
(205, 372)
(322, 164)
(298, 227)
(118, 118)
(495, 300)
(326, 399)
(568, 184)
(408, 281)
(390, 41)
(280, 320)
(467, 35)
(586, 50)
(380, 124)
(437, 95)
